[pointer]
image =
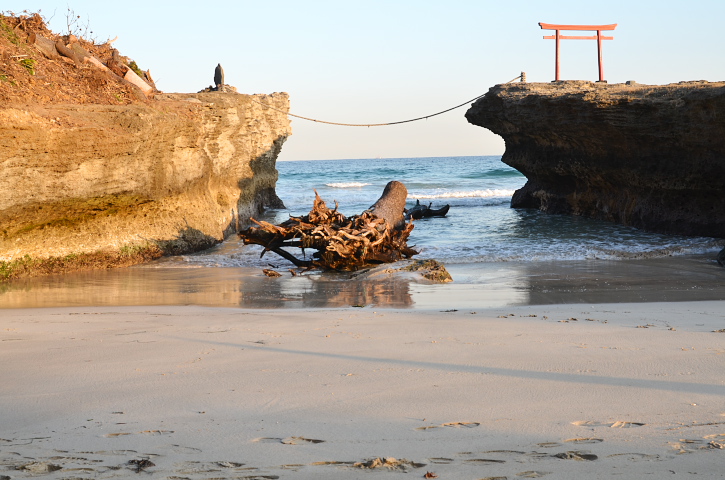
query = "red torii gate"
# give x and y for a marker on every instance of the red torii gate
(598, 37)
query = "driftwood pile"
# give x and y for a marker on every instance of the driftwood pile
(69, 47)
(378, 235)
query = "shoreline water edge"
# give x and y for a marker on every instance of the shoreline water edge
(497, 255)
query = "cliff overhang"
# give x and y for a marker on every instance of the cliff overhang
(652, 157)
(172, 175)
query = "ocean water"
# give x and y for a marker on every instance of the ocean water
(479, 228)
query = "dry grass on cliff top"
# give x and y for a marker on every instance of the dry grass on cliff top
(28, 77)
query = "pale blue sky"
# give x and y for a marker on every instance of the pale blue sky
(379, 61)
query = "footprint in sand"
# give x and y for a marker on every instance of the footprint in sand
(532, 474)
(267, 440)
(287, 440)
(512, 452)
(483, 461)
(25, 441)
(246, 477)
(145, 432)
(112, 452)
(451, 424)
(181, 449)
(300, 440)
(39, 468)
(389, 463)
(634, 457)
(618, 424)
(579, 456)
(461, 424)
(196, 468)
(626, 425)
(716, 441)
(687, 445)
(584, 440)
(569, 440)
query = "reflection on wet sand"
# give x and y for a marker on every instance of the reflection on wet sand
(669, 279)
(221, 287)
(474, 286)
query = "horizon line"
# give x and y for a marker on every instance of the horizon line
(386, 158)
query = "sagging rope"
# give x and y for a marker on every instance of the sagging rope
(522, 77)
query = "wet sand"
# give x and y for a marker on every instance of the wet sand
(691, 278)
(187, 392)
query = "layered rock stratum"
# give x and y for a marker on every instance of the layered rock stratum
(652, 157)
(180, 173)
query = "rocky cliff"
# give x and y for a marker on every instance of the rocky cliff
(175, 174)
(648, 156)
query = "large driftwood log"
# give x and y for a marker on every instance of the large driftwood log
(80, 52)
(67, 52)
(422, 211)
(131, 76)
(44, 45)
(378, 235)
(79, 55)
(391, 204)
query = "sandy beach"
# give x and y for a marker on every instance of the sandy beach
(189, 392)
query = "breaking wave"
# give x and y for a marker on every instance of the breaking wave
(465, 194)
(347, 185)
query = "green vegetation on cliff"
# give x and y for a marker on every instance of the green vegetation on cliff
(28, 266)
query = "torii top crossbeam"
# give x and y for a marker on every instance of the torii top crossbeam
(598, 37)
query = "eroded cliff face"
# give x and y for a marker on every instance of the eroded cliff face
(177, 174)
(648, 156)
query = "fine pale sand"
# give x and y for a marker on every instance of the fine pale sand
(190, 392)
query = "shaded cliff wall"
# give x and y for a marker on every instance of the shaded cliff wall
(648, 156)
(179, 173)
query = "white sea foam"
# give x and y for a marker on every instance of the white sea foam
(347, 184)
(567, 252)
(465, 194)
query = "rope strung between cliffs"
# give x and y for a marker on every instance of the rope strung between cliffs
(367, 124)
(522, 77)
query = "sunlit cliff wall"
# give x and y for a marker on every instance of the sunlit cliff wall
(180, 173)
